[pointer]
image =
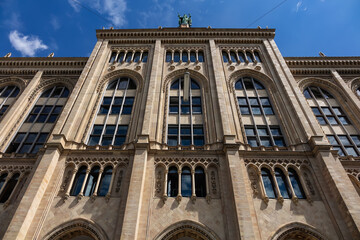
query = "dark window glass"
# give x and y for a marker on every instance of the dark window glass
(173, 182)
(257, 56)
(225, 56)
(233, 56)
(2, 180)
(137, 56)
(249, 56)
(113, 56)
(128, 57)
(91, 181)
(295, 182)
(78, 181)
(176, 56)
(307, 94)
(201, 56)
(238, 85)
(200, 182)
(168, 56)
(9, 188)
(268, 183)
(184, 56)
(282, 183)
(241, 56)
(105, 182)
(186, 182)
(121, 57)
(145, 56)
(192, 56)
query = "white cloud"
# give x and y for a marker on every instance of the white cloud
(27, 45)
(55, 22)
(113, 10)
(298, 5)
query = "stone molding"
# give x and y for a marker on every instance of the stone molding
(187, 161)
(115, 162)
(130, 48)
(184, 33)
(17, 81)
(299, 229)
(194, 228)
(36, 62)
(83, 225)
(329, 62)
(275, 162)
(46, 83)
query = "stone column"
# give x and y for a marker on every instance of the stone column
(30, 202)
(241, 197)
(132, 216)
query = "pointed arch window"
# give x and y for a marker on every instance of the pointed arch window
(328, 112)
(3, 180)
(105, 181)
(200, 182)
(91, 181)
(9, 188)
(184, 56)
(182, 117)
(282, 184)
(186, 183)
(40, 121)
(173, 182)
(176, 56)
(256, 108)
(192, 56)
(8, 95)
(296, 184)
(112, 121)
(201, 57)
(78, 181)
(225, 56)
(268, 183)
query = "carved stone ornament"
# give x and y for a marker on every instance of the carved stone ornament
(213, 182)
(257, 68)
(119, 180)
(197, 68)
(231, 68)
(158, 184)
(308, 183)
(192, 161)
(171, 68)
(137, 68)
(111, 68)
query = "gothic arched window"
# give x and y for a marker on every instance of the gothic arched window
(296, 184)
(168, 56)
(241, 56)
(137, 56)
(340, 132)
(187, 132)
(144, 56)
(186, 183)
(249, 56)
(233, 56)
(262, 127)
(192, 56)
(128, 57)
(176, 56)
(201, 56)
(105, 181)
(257, 57)
(112, 120)
(268, 183)
(282, 183)
(8, 95)
(184, 56)
(200, 182)
(173, 182)
(78, 181)
(91, 181)
(225, 56)
(9, 188)
(40, 121)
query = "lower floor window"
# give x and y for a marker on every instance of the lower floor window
(345, 145)
(108, 135)
(259, 135)
(29, 142)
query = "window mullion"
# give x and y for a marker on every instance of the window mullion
(263, 113)
(118, 119)
(191, 117)
(251, 113)
(108, 113)
(179, 114)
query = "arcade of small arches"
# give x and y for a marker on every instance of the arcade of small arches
(241, 56)
(128, 56)
(9, 181)
(184, 56)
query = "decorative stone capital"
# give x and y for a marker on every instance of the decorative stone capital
(193, 198)
(178, 198)
(164, 198)
(266, 199)
(208, 198)
(280, 200)
(295, 200)
(107, 197)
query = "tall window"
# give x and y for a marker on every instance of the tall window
(182, 129)
(268, 183)
(112, 120)
(336, 125)
(8, 95)
(200, 182)
(296, 184)
(105, 181)
(186, 183)
(129, 57)
(78, 181)
(39, 123)
(173, 182)
(282, 183)
(91, 181)
(9, 188)
(185, 56)
(260, 122)
(2, 180)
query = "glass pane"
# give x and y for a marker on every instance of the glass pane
(340, 151)
(199, 141)
(119, 141)
(185, 141)
(121, 57)
(258, 85)
(112, 85)
(250, 132)
(245, 110)
(168, 56)
(248, 84)
(252, 142)
(268, 184)
(118, 100)
(197, 109)
(225, 56)
(192, 57)
(19, 137)
(332, 140)
(185, 184)
(242, 101)
(344, 120)
(174, 109)
(307, 94)
(127, 110)
(31, 118)
(185, 109)
(173, 130)
(263, 132)
(131, 84)
(57, 109)
(356, 140)
(295, 182)
(106, 141)
(321, 120)
(201, 56)
(175, 85)
(194, 85)
(97, 129)
(184, 56)
(52, 118)
(265, 142)
(185, 130)
(256, 110)
(110, 129)
(275, 131)
(129, 101)
(316, 111)
(196, 100)
(337, 111)
(42, 137)
(198, 130)
(238, 85)
(268, 111)
(176, 57)
(279, 142)
(257, 57)
(93, 141)
(280, 178)
(326, 111)
(107, 101)
(104, 110)
(351, 151)
(265, 101)
(115, 110)
(136, 57)
(233, 56)
(123, 84)
(25, 148)
(332, 120)
(145, 56)
(249, 57)
(31, 137)
(41, 118)
(128, 56)
(57, 92)
(326, 94)
(122, 130)
(36, 148)
(172, 141)
(253, 102)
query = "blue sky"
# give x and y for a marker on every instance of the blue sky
(303, 27)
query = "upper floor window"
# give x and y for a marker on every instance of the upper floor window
(261, 125)
(8, 95)
(186, 56)
(128, 56)
(240, 56)
(111, 123)
(185, 122)
(37, 126)
(337, 126)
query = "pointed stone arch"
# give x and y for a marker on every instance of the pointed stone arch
(187, 228)
(323, 83)
(76, 228)
(297, 231)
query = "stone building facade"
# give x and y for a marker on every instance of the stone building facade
(108, 147)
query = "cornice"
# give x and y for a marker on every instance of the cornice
(176, 33)
(43, 62)
(323, 62)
